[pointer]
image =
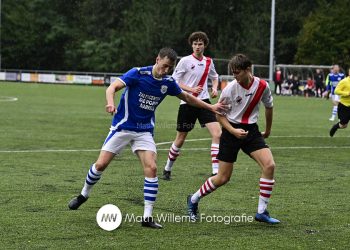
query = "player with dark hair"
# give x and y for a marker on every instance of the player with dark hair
(240, 131)
(343, 90)
(192, 73)
(334, 77)
(133, 123)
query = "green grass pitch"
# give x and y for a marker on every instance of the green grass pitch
(50, 136)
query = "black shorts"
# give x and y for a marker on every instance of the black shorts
(230, 145)
(343, 114)
(188, 115)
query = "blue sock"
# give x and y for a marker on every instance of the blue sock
(91, 179)
(150, 190)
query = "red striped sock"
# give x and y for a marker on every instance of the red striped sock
(266, 187)
(205, 189)
(174, 152)
(214, 150)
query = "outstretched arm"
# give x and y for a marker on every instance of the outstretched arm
(196, 89)
(110, 93)
(190, 99)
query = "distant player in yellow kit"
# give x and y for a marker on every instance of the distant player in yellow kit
(343, 90)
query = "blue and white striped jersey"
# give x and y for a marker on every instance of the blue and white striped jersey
(141, 97)
(333, 80)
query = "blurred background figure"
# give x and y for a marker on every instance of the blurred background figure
(319, 81)
(334, 78)
(295, 85)
(309, 89)
(278, 80)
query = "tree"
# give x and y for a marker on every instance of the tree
(325, 37)
(109, 35)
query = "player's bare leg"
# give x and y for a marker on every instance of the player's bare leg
(92, 177)
(265, 160)
(334, 110)
(210, 185)
(174, 152)
(215, 132)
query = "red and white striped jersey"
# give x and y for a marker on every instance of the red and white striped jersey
(244, 102)
(192, 72)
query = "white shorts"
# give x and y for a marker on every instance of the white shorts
(117, 140)
(335, 98)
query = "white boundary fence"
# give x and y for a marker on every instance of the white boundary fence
(59, 77)
(104, 79)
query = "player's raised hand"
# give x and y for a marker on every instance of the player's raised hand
(110, 109)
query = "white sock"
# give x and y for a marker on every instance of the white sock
(174, 152)
(266, 187)
(334, 111)
(214, 150)
(92, 177)
(150, 191)
(205, 189)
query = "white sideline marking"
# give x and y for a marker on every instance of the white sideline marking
(8, 99)
(185, 149)
(159, 149)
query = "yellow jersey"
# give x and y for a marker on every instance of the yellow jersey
(343, 90)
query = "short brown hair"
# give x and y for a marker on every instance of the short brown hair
(168, 52)
(239, 62)
(198, 35)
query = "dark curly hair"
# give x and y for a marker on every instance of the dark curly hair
(198, 35)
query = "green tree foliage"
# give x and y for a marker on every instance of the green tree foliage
(290, 16)
(34, 34)
(113, 36)
(325, 37)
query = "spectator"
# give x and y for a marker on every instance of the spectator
(278, 80)
(319, 83)
(309, 87)
(287, 86)
(295, 86)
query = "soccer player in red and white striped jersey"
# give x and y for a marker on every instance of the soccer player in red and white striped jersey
(240, 131)
(192, 73)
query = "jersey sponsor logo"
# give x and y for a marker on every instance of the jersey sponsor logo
(148, 102)
(249, 94)
(144, 71)
(193, 66)
(163, 89)
(238, 100)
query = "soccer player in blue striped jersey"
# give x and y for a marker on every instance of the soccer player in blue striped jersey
(333, 79)
(133, 123)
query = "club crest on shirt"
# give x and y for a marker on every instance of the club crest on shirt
(163, 89)
(238, 100)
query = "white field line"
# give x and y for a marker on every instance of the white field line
(8, 99)
(184, 149)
